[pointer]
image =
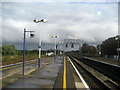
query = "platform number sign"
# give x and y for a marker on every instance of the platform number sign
(66, 45)
(72, 46)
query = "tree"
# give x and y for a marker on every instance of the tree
(92, 50)
(109, 47)
(8, 49)
(85, 48)
(0, 50)
(88, 49)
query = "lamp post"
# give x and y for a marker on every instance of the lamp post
(55, 37)
(100, 50)
(60, 51)
(24, 48)
(118, 49)
(39, 46)
(61, 48)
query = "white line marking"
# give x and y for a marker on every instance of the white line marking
(30, 72)
(85, 84)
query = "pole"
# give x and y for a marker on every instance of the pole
(118, 50)
(61, 50)
(64, 49)
(24, 48)
(46, 49)
(39, 47)
(55, 49)
(100, 50)
(24, 51)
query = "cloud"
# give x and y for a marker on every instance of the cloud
(89, 22)
(61, 1)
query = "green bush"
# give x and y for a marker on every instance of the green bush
(9, 49)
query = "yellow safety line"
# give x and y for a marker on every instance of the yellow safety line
(16, 66)
(64, 75)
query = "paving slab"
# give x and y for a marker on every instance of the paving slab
(41, 78)
(69, 77)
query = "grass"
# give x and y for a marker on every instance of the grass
(11, 59)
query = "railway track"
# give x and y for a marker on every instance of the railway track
(98, 74)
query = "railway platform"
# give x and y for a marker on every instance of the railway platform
(69, 78)
(57, 74)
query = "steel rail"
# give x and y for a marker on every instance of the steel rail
(93, 76)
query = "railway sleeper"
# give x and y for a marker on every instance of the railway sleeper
(101, 77)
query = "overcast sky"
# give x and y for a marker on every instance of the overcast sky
(93, 22)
